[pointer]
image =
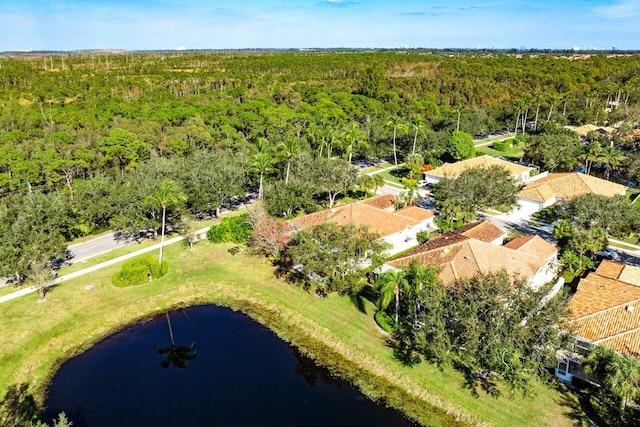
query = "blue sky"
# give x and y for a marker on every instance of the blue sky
(214, 24)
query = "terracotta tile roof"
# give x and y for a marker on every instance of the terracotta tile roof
(453, 170)
(481, 230)
(569, 186)
(585, 129)
(383, 201)
(630, 274)
(596, 293)
(609, 269)
(606, 310)
(415, 212)
(535, 247)
(459, 257)
(375, 219)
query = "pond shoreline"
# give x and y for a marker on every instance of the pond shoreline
(374, 386)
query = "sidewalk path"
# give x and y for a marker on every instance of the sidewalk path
(96, 267)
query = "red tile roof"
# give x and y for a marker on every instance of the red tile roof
(460, 257)
(568, 186)
(481, 230)
(606, 310)
(376, 219)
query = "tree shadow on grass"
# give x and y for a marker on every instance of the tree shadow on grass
(399, 173)
(359, 302)
(18, 406)
(576, 405)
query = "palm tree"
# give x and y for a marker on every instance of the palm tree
(612, 159)
(624, 379)
(564, 98)
(396, 124)
(289, 148)
(619, 373)
(167, 195)
(390, 285)
(354, 137)
(328, 140)
(554, 98)
(536, 99)
(527, 100)
(262, 163)
(521, 106)
(377, 182)
(458, 109)
(417, 125)
(590, 154)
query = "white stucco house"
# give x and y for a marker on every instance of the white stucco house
(520, 174)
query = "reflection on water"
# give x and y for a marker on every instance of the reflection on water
(243, 375)
(311, 372)
(176, 355)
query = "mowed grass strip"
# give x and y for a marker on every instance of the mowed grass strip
(37, 337)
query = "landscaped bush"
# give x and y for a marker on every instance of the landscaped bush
(423, 236)
(231, 229)
(138, 271)
(384, 321)
(502, 145)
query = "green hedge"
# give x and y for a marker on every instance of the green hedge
(139, 270)
(231, 229)
(502, 145)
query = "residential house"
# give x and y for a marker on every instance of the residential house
(475, 249)
(557, 187)
(585, 130)
(605, 310)
(378, 214)
(519, 173)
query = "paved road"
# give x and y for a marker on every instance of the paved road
(97, 246)
(31, 289)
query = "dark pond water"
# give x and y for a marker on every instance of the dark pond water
(242, 375)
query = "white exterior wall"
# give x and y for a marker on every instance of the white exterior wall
(544, 274)
(406, 239)
(525, 209)
(431, 179)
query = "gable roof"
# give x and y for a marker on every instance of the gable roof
(460, 257)
(415, 212)
(383, 201)
(481, 230)
(568, 186)
(375, 219)
(533, 246)
(606, 310)
(453, 170)
(584, 130)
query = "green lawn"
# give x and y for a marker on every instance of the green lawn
(36, 337)
(393, 177)
(132, 247)
(493, 138)
(381, 166)
(512, 154)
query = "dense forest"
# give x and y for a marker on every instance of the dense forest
(86, 137)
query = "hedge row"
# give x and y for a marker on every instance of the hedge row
(139, 270)
(230, 229)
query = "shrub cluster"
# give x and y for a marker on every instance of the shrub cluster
(138, 271)
(502, 145)
(231, 229)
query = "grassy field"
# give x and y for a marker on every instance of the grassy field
(512, 154)
(393, 177)
(37, 337)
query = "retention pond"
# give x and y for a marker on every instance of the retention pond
(222, 369)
